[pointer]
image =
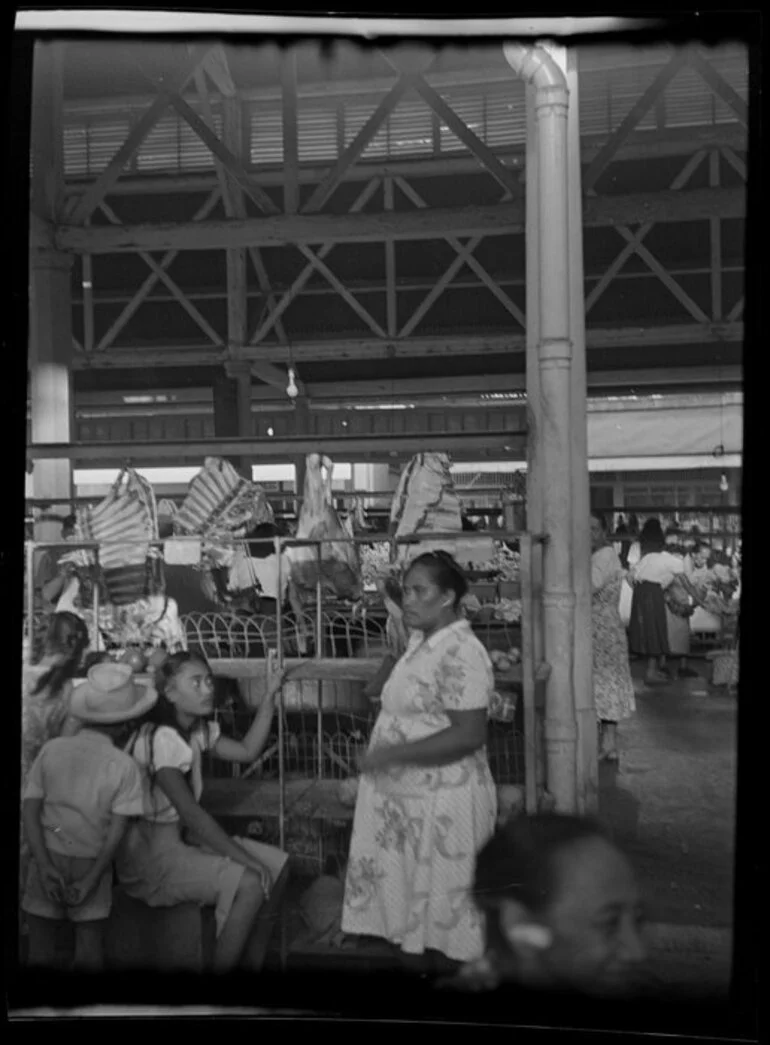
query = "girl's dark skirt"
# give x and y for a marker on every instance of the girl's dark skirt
(648, 629)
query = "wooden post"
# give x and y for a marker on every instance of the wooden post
(228, 406)
(50, 299)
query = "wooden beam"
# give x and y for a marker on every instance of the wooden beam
(151, 280)
(426, 304)
(499, 220)
(338, 350)
(290, 130)
(736, 311)
(715, 226)
(346, 448)
(638, 111)
(87, 277)
(461, 130)
(641, 145)
(217, 67)
(720, 86)
(735, 162)
(295, 289)
(676, 289)
(356, 148)
(177, 293)
(231, 163)
(419, 388)
(390, 267)
(342, 290)
(46, 144)
(641, 233)
(472, 262)
(99, 189)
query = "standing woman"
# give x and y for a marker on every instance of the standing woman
(426, 800)
(176, 852)
(613, 687)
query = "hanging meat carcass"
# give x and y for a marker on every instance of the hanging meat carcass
(220, 507)
(334, 562)
(425, 503)
(123, 524)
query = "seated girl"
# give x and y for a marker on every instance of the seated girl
(176, 852)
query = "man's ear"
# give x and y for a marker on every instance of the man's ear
(521, 930)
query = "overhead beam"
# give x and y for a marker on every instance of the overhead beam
(638, 111)
(337, 350)
(500, 219)
(416, 283)
(97, 191)
(640, 145)
(378, 390)
(348, 448)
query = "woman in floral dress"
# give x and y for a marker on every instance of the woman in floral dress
(426, 801)
(613, 687)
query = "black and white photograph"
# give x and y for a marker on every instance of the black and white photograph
(382, 567)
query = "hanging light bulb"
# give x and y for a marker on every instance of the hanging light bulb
(724, 486)
(291, 389)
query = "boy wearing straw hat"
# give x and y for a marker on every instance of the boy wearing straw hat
(80, 793)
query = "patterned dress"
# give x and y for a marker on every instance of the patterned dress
(613, 688)
(417, 830)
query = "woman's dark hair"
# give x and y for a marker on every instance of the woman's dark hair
(67, 636)
(651, 538)
(447, 574)
(163, 712)
(520, 863)
(601, 518)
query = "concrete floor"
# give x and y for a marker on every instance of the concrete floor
(671, 803)
(671, 806)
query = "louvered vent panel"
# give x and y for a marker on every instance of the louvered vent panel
(194, 154)
(266, 136)
(75, 151)
(355, 115)
(411, 130)
(104, 140)
(690, 101)
(624, 89)
(506, 116)
(317, 134)
(160, 149)
(594, 103)
(495, 112)
(469, 106)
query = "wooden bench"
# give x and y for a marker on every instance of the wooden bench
(181, 938)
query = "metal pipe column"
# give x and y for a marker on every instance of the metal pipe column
(537, 68)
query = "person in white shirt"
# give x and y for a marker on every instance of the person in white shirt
(157, 864)
(648, 628)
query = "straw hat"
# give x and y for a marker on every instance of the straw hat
(111, 694)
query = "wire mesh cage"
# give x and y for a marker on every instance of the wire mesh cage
(251, 636)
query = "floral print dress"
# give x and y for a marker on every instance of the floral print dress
(417, 830)
(613, 686)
